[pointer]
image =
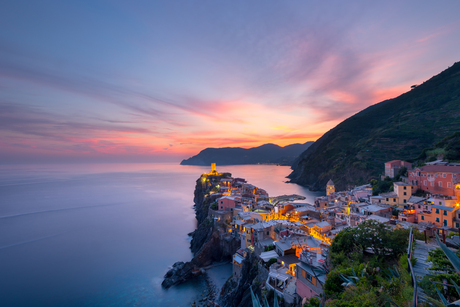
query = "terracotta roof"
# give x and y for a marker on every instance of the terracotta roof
(440, 168)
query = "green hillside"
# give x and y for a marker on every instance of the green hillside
(399, 128)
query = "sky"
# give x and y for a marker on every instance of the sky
(157, 81)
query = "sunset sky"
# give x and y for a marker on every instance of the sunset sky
(152, 81)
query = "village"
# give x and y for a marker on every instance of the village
(292, 238)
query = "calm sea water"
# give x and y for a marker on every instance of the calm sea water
(105, 234)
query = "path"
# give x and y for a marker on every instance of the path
(421, 253)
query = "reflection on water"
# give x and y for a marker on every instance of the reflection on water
(104, 234)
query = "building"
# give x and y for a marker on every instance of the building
(330, 187)
(403, 190)
(227, 203)
(392, 167)
(437, 179)
(311, 274)
(238, 259)
(441, 216)
(400, 196)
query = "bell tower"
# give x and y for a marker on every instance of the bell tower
(330, 187)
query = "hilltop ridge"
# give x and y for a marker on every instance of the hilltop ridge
(264, 154)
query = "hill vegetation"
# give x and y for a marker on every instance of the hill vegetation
(265, 154)
(369, 267)
(401, 128)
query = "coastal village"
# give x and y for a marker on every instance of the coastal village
(292, 238)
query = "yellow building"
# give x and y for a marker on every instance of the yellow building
(400, 196)
(404, 192)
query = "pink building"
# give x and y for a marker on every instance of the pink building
(436, 179)
(392, 167)
(227, 202)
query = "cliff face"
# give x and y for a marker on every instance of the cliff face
(209, 243)
(237, 292)
(400, 128)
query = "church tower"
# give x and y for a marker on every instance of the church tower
(330, 188)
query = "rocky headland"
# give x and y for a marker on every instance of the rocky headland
(209, 242)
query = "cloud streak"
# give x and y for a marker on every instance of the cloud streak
(166, 79)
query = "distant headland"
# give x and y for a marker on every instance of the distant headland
(265, 154)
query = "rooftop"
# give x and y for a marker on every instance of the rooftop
(440, 168)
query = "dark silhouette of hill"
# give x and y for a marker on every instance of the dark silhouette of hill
(268, 153)
(399, 128)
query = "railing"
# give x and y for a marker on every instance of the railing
(410, 268)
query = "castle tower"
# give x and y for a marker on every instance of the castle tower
(213, 168)
(330, 188)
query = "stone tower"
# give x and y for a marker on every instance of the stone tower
(330, 188)
(213, 168)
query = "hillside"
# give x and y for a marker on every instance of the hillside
(399, 128)
(268, 153)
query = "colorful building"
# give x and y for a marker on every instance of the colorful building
(437, 179)
(392, 167)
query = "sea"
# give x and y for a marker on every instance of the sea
(105, 234)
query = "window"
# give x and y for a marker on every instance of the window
(405, 200)
(457, 225)
(449, 185)
(437, 220)
(404, 189)
(423, 217)
(221, 207)
(405, 193)
(440, 184)
(437, 211)
(306, 275)
(419, 206)
(387, 198)
(445, 222)
(440, 203)
(443, 175)
(436, 175)
(221, 202)
(394, 200)
(432, 183)
(424, 182)
(445, 212)
(268, 232)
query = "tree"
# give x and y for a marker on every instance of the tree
(372, 234)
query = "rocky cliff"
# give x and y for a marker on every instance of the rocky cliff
(209, 242)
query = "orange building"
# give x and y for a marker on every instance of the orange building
(441, 216)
